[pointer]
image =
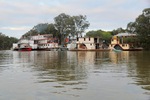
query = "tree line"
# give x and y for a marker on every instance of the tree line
(6, 42)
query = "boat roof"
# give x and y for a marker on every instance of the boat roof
(125, 34)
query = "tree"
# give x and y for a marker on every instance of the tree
(51, 30)
(40, 27)
(6, 42)
(99, 33)
(30, 33)
(43, 28)
(142, 28)
(81, 24)
(118, 30)
(70, 25)
(62, 24)
(131, 27)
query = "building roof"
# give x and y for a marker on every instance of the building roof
(125, 34)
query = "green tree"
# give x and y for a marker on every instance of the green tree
(62, 24)
(40, 27)
(43, 28)
(99, 33)
(6, 42)
(118, 30)
(142, 28)
(131, 27)
(51, 30)
(70, 25)
(93, 34)
(30, 33)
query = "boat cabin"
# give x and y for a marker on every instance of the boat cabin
(37, 42)
(87, 43)
(124, 41)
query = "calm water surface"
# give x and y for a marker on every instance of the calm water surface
(57, 75)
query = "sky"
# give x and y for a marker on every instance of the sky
(19, 16)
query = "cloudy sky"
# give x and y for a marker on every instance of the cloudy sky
(19, 16)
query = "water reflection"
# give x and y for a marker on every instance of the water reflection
(107, 75)
(57, 66)
(70, 68)
(5, 60)
(143, 69)
(119, 57)
(137, 64)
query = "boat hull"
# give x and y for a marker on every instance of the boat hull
(116, 50)
(25, 49)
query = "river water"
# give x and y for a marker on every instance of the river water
(68, 75)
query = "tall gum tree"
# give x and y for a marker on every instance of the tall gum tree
(70, 26)
(141, 27)
(62, 24)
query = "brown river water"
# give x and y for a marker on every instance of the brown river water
(69, 75)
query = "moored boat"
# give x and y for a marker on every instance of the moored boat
(88, 44)
(116, 50)
(125, 42)
(25, 49)
(36, 42)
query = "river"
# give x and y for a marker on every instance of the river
(70, 75)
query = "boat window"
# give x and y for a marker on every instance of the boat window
(89, 39)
